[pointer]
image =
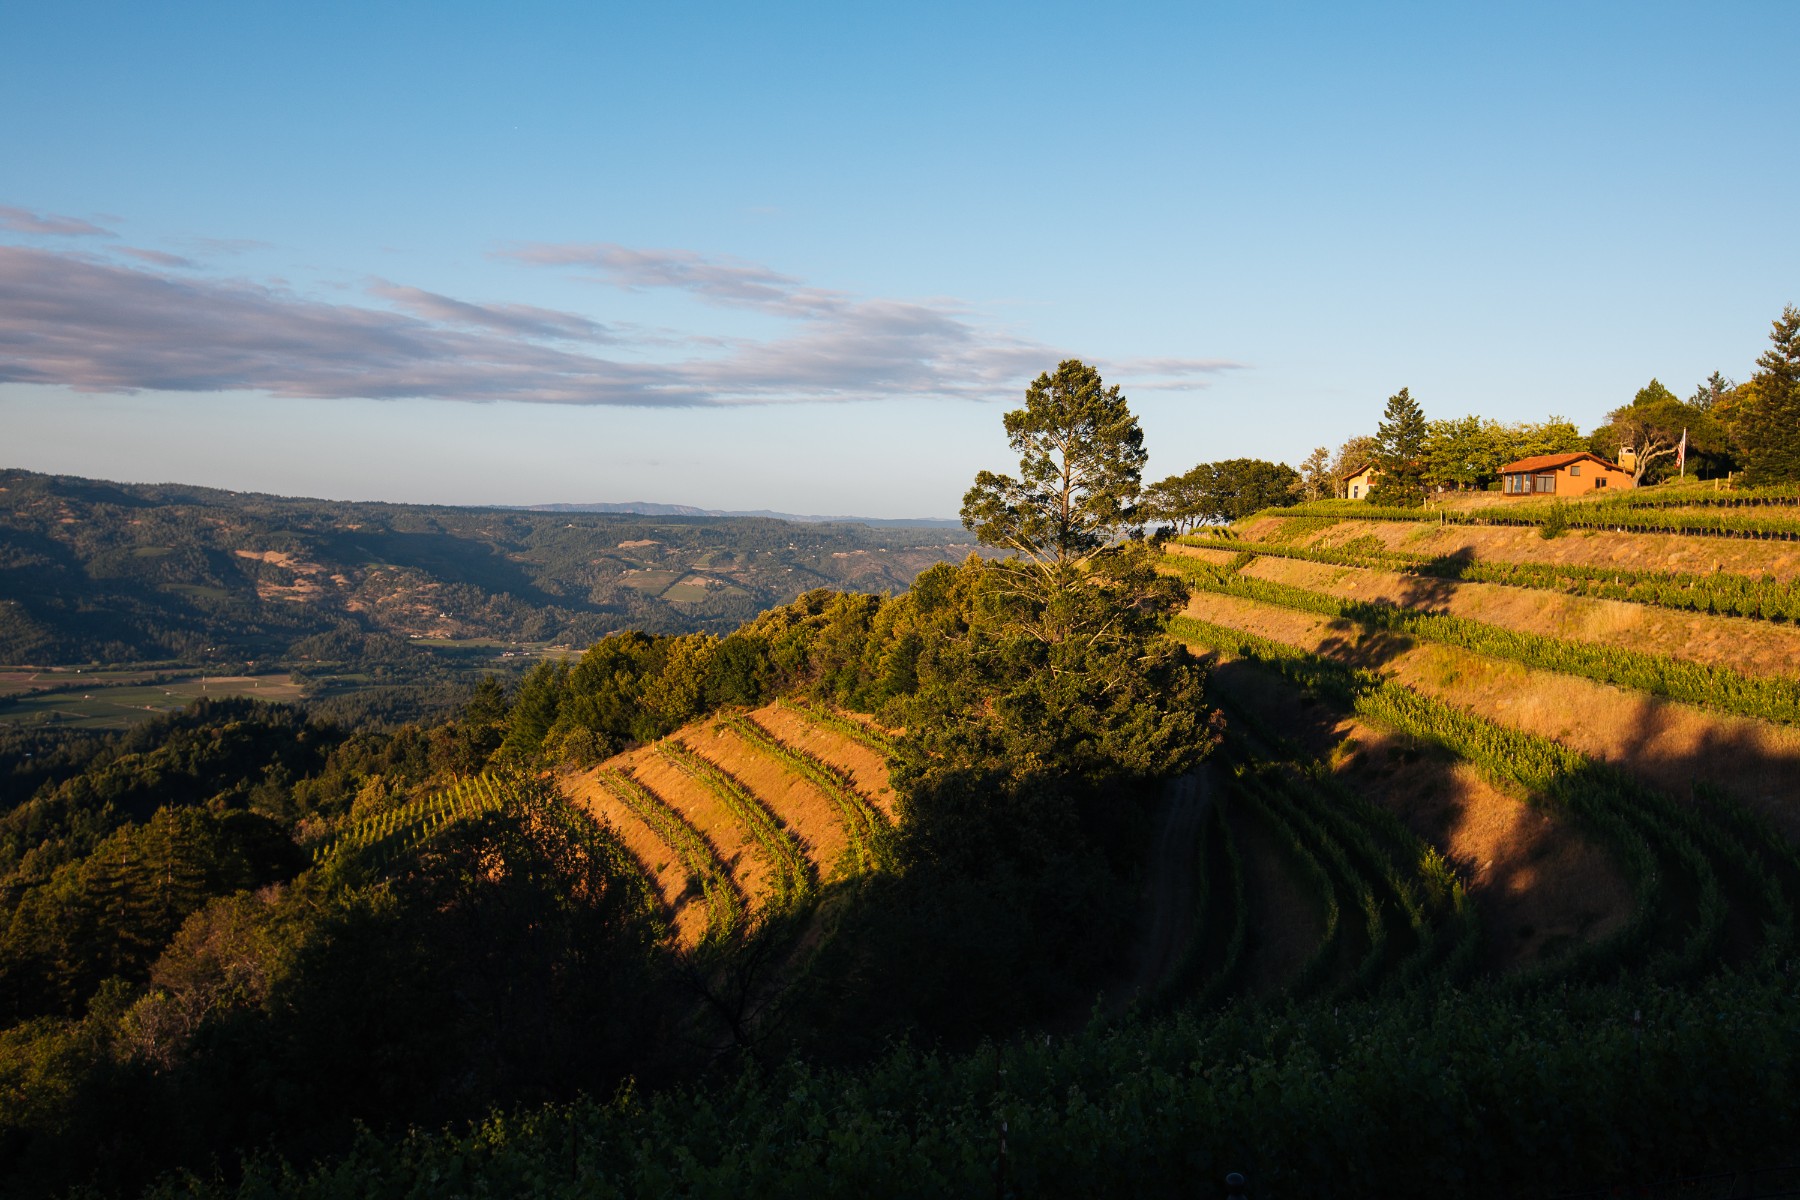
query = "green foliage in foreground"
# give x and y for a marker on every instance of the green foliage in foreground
(1449, 1094)
(1719, 592)
(1767, 697)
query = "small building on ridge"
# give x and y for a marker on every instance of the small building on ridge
(1562, 475)
(1358, 482)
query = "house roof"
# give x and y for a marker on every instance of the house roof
(1549, 462)
(1368, 466)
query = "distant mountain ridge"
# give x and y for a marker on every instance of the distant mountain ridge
(646, 508)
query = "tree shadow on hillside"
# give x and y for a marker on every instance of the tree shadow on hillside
(1540, 887)
(1677, 749)
(1430, 587)
(1357, 645)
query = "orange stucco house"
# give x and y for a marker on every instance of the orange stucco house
(1562, 475)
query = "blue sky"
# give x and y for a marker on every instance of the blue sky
(802, 257)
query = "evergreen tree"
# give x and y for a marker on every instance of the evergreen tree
(1401, 455)
(1769, 429)
(1081, 463)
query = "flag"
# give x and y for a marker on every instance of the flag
(1681, 453)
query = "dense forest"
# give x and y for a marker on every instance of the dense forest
(253, 949)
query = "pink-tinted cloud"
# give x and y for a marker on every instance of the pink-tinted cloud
(20, 220)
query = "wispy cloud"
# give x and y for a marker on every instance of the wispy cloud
(717, 278)
(521, 319)
(21, 220)
(1171, 374)
(155, 258)
(99, 325)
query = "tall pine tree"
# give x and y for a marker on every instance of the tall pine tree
(1401, 458)
(1769, 429)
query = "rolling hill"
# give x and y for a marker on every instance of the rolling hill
(126, 573)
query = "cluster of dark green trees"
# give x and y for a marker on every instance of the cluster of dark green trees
(187, 975)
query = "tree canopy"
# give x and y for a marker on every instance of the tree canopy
(1220, 492)
(1401, 439)
(1081, 462)
(1652, 425)
(1769, 426)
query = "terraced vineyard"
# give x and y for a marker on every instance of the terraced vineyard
(1421, 783)
(746, 816)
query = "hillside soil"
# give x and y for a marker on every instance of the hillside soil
(1285, 922)
(1167, 902)
(681, 897)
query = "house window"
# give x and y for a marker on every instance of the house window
(1356, 491)
(1599, 481)
(1543, 483)
(1575, 471)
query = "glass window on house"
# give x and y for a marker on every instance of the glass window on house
(1545, 483)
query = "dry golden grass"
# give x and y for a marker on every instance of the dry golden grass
(802, 810)
(1668, 745)
(706, 813)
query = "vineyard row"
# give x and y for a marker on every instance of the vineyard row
(791, 874)
(725, 913)
(1719, 592)
(1623, 518)
(1769, 698)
